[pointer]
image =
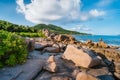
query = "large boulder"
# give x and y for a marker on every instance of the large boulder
(117, 67)
(30, 44)
(110, 54)
(51, 64)
(100, 72)
(62, 38)
(56, 37)
(65, 38)
(89, 43)
(51, 49)
(81, 57)
(41, 45)
(85, 76)
(46, 32)
(62, 47)
(117, 75)
(38, 46)
(52, 36)
(102, 44)
(117, 70)
(47, 43)
(39, 39)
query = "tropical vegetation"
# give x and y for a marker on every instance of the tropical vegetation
(13, 49)
(4, 25)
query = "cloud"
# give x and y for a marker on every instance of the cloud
(80, 28)
(48, 11)
(103, 3)
(96, 13)
(93, 13)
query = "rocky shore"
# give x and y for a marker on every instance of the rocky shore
(62, 57)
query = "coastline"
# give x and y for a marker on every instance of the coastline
(109, 39)
(63, 57)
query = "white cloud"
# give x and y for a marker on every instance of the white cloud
(82, 28)
(39, 11)
(93, 13)
(96, 13)
(47, 11)
(103, 3)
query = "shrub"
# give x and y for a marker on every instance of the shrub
(13, 49)
(28, 34)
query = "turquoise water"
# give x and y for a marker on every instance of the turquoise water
(111, 40)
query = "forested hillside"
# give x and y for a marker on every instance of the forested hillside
(4, 25)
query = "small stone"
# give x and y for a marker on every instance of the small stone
(61, 78)
(117, 75)
(51, 64)
(85, 76)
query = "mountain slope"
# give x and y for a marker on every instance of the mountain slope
(8, 26)
(5, 25)
(56, 29)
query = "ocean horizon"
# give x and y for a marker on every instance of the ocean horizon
(109, 39)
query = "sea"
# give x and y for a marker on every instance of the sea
(110, 40)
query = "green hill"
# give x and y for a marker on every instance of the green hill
(10, 27)
(5, 25)
(56, 29)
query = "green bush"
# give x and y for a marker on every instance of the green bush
(29, 34)
(13, 49)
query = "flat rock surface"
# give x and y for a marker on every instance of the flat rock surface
(66, 70)
(10, 73)
(26, 71)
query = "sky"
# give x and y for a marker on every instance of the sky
(99, 17)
